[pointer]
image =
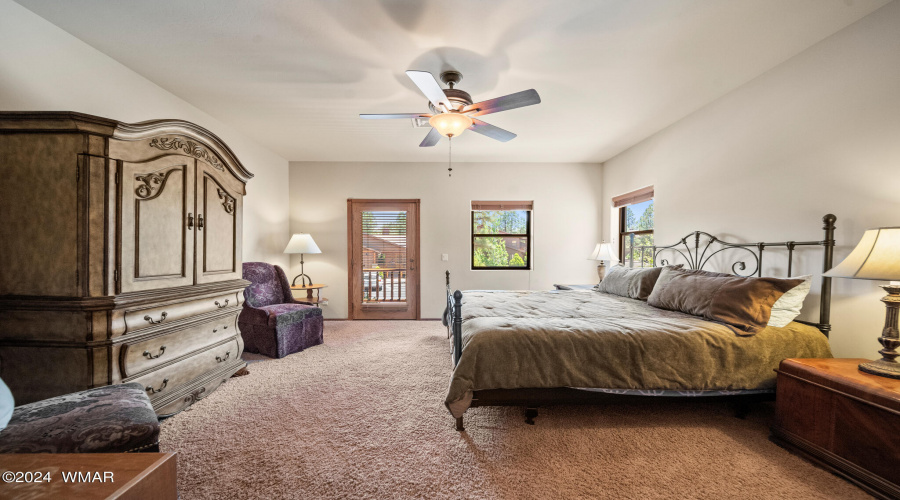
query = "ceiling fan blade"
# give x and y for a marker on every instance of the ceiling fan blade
(395, 115)
(491, 131)
(431, 139)
(507, 102)
(430, 87)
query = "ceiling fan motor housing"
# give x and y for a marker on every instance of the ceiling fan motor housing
(459, 99)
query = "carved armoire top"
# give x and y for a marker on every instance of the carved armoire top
(177, 135)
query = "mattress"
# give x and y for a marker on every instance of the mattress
(589, 339)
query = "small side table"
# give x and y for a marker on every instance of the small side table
(575, 287)
(318, 300)
(842, 419)
(138, 476)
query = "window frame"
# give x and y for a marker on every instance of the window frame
(623, 233)
(527, 236)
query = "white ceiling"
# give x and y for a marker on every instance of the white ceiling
(294, 75)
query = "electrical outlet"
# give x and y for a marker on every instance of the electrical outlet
(445, 257)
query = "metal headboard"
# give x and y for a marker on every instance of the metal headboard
(698, 254)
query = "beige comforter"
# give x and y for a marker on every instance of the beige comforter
(592, 339)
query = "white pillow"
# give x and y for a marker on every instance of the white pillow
(6, 405)
(787, 307)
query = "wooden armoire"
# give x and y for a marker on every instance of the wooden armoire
(120, 247)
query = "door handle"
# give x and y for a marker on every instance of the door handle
(190, 220)
(199, 222)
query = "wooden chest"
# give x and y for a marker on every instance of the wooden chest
(843, 419)
(121, 257)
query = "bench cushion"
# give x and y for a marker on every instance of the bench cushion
(111, 419)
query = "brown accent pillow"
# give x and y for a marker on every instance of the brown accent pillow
(635, 283)
(744, 303)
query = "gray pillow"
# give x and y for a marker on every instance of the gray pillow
(743, 303)
(635, 283)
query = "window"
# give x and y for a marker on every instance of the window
(636, 227)
(501, 235)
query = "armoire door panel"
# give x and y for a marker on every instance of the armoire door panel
(157, 204)
(218, 237)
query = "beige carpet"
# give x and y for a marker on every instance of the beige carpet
(362, 416)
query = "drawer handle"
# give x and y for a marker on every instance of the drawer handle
(220, 359)
(194, 396)
(222, 306)
(162, 317)
(154, 391)
(162, 349)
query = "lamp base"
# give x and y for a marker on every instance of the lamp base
(601, 271)
(888, 366)
(303, 278)
(882, 368)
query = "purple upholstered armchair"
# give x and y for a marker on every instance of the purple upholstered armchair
(273, 323)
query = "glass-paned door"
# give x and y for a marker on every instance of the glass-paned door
(383, 259)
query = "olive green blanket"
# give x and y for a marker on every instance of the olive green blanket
(595, 340)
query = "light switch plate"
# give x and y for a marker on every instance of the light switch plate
(445, 257)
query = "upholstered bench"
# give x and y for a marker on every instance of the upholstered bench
(110, 419)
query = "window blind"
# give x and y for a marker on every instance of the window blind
(384, 256)
(638, 196)
(502, 205)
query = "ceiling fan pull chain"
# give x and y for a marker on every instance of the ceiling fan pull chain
(450, 158)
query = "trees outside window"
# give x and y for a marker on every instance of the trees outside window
(636, 234)
(501, 239)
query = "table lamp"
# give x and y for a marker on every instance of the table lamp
(302, 243)
(877, 257)
(603, 252)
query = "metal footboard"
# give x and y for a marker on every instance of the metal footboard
(453, 320)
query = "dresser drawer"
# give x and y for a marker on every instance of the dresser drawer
(138, 319)
(166, 407)
(171, 376)
(145, 354)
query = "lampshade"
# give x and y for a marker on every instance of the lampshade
(302, 243)
(604, 251)
(876, 257)
(450, 124)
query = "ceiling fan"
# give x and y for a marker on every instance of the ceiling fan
(452, 110)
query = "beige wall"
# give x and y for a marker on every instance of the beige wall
(820, 133)
(566, 220)
(44, 68)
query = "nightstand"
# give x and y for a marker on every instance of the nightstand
(843, 419)
(575, 287)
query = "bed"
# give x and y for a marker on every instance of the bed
(535, 348)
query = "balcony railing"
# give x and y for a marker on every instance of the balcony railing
(384, 284)
(647, 254)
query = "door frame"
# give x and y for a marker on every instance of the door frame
(417, 279)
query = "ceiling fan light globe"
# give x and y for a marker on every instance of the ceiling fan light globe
(450, 124)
